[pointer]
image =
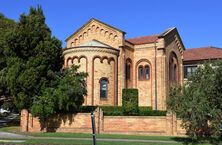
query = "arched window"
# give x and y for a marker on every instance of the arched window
(127, 71)
(173, 68)
(147, 72)
(140, 72)
(175, 72)
(103, 88)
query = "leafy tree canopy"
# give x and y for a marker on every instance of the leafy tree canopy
(66, 96)
(198, 103)
(34, 69)
(6, 25)
(33, 57)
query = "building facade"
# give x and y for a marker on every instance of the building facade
(150, 63)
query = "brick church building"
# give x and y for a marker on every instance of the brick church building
(149, 63)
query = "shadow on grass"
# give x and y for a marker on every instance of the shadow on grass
(190, 141)
(186, 140)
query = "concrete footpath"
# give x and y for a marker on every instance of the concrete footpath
(9, 136)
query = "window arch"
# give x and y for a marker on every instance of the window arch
(103, 88)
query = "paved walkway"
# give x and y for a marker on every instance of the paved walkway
(6, 135)
(12, 135)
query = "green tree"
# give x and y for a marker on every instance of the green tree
(33, 58)
(34, 69)
(65, 97)
(6, 25)
(198, 102)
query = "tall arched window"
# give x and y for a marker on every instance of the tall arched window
(147, 72)
(103, 88)
(140, 72)
(127, 71)
(173, 68)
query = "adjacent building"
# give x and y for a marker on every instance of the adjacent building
(195, 57)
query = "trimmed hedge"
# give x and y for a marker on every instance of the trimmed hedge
(87, 109)
(112, 110)
(130, 102)
(152, 113)
(143, 111)
(145, 108)
(118, 111)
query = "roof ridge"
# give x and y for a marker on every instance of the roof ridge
(89, 21)
(153, 35)
(166, 31)
(202, 47)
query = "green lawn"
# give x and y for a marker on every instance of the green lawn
(10, 129)
(108, 136)
(178, 140)
(82, 142)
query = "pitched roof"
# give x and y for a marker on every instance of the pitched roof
(93, 19)
(203, 53)
(154, 38)
(143, 39)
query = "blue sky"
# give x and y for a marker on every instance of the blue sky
(199, 22)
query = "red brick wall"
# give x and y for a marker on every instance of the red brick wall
(81, 123)
(135, 124)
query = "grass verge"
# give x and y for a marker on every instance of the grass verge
(67, 136)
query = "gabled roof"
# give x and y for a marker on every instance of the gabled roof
(202, 53)
(154, 38)
(93, 19)
(143, 39)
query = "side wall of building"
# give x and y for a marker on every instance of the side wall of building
(144, 55)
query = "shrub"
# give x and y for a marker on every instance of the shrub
(145, 108)
(87, 109)
(112, 110)
(143, 111)
(130, 102)
(151, 113)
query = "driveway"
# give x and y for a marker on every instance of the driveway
(11, 135)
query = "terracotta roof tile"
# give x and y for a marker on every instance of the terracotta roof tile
(203, 53)
(143, 39)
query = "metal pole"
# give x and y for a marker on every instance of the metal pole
(93, 128)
